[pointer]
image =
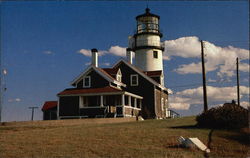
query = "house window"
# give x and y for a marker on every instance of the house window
(86, 82)
(155, 54)
(134, 80)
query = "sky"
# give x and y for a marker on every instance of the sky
(46, 44)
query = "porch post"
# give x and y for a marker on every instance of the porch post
(101, 101)
(135, 103)
(123, 100)
(123, 105)
(129, 100)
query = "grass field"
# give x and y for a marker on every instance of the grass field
(116, 138)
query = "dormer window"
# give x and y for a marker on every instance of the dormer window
(134, 80)
(119, 76)
(86, 82)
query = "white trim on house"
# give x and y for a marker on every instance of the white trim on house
(84, 82)
(119, 76)
(131, 107)
(136, 80)
(85, 73)
(105, 93)
(141, 73)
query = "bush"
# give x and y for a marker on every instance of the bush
(229, 116)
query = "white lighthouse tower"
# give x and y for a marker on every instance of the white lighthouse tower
(146, 42)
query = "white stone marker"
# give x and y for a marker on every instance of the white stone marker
(193, 142)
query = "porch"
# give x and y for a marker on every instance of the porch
(106, 105)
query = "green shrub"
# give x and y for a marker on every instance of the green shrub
(228, 116)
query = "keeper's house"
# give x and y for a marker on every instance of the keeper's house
(127, 89)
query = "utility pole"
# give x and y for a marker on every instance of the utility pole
(238, 81)
(204, 78)
(32, 115)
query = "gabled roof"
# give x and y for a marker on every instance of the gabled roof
(48, 105)
(101, 72)
(140, 72)
(106, 89)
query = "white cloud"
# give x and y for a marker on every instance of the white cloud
(118, 51)
(245, 104)
(14, 100)
(87, 52)
(184, 99)
(221, 58)
(113, 50)
(216, 58)
(48, 52)
(179, 103)
(211, 80)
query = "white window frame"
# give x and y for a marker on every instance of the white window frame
(119, 76)
(89, 85)
(137, 82)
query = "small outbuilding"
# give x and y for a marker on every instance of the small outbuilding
(49, 110)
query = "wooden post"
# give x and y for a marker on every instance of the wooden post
(204, 78)
(32, 114)
(238, 81)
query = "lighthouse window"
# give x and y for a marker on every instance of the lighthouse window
(134, 80)
(155, 53)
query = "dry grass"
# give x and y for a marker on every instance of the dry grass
(115, 138)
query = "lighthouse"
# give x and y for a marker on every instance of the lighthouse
(146, 42)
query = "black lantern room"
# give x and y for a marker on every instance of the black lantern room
(148, 23)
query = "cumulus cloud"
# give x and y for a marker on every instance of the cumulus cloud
(113, 50)
(221, 58)
(184, 99)
(118, 51)
(217, 58)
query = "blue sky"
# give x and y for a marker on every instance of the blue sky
(41, 42)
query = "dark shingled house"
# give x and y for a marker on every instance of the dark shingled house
(126, 89)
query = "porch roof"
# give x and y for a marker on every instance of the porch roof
(89, 90)
(108, 90)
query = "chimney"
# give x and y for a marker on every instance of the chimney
(94, 57)
(129, 55)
